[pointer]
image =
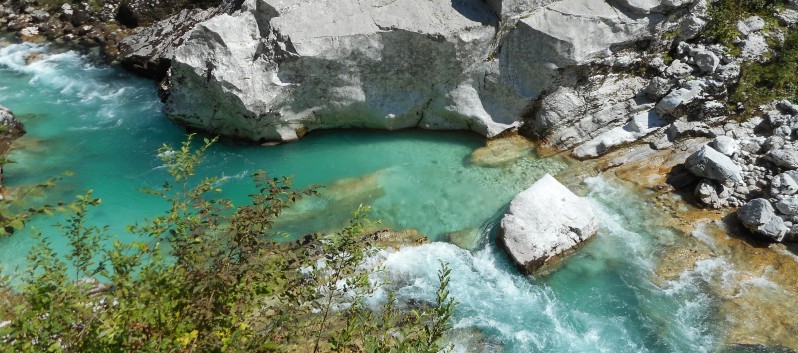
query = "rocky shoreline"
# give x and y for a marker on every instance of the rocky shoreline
(643, 80)
(626, 86)
(646, 82)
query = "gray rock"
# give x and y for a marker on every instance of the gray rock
(691, 26)
(787, 17)
(775, 229)
(783, 184)
(756, 212)
(774, 143)
(40, 15)
(750, 25)
(788, 206)
(689, 92)
(681, 128)
(149, 50)
(713, 111)
(679, 69)
(787, 106)
(543, 222)
(640, 125)
(759, 216)
(728, 73)
(754, 47)
(506, 9)
(706, 60)
(10, 128)
(262, 73)
(784, 157)
(725, 145)
(783, 131)
(571, 116)
(658, 87)
(573, 31)
(712, 195)
(709, 163)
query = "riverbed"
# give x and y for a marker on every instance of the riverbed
(103, 126)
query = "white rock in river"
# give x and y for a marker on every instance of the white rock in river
(265, 73)
(543, 222)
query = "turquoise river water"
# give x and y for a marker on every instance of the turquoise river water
(105, 125)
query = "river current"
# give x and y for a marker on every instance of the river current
(105, 125)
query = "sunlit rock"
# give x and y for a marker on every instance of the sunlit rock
(543, 222)
(709, 163)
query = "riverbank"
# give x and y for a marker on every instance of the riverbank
(433, 182)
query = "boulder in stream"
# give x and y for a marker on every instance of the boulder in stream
(543, 222)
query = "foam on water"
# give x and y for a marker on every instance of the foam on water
(600, 300)
(106, 125)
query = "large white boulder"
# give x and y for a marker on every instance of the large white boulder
(276, 69)
(543, 222)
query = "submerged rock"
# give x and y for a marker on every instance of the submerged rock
(545, 221)
(469, 239)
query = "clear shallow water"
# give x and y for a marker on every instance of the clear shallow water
(106, 125)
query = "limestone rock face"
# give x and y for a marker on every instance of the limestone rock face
(515, 8)
(263, 73)
(573, 31)
(150, 49)
(543, 222)
(648, 6)
(709, 163)
(10, 130)
(571, 116)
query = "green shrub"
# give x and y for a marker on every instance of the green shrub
(207, 276)
(761, 83)
(724, 15)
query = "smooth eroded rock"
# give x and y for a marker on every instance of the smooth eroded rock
(262, 73)
(543, 222)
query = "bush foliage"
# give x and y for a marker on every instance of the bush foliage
(207, 276)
